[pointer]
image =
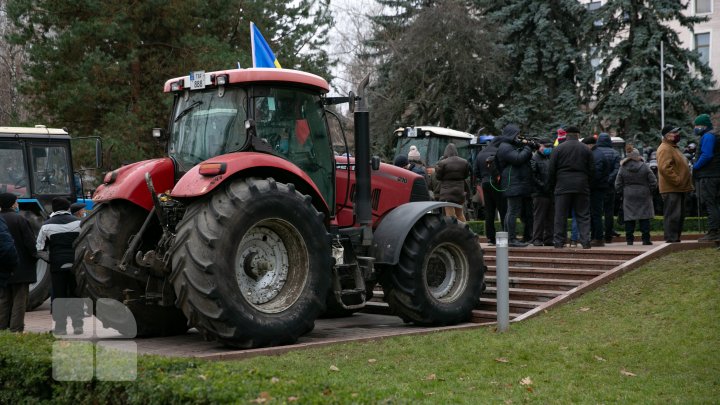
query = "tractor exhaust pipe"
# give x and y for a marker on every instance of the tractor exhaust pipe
(362, 163)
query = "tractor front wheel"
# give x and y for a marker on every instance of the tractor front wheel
(251, 264)
(438, 279)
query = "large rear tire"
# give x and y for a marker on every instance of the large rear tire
(40, 289)
(438, 279)
(251, 264)
(109, 228)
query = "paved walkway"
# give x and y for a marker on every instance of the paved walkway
(359, 327)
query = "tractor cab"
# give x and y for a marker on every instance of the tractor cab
(236, 111)
(431, 142)
(36, 166)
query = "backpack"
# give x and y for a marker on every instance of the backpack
(491, 165)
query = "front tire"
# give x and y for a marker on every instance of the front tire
(251, 264)
(438, 279)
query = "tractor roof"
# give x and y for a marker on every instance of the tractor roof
(258, 75)
(424, 131)
(39, 131)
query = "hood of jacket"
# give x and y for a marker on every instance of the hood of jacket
(509, 133)
(450, 150)
(604, 140)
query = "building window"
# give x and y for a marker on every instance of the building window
(703, 6)
(702, 46)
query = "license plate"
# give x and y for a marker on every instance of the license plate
(197, 80)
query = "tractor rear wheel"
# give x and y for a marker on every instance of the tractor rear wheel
(108, 228)
(40, 289)
(251, 264)
(438, 279)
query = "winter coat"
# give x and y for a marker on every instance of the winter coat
(513, 160)
(24, 239)
(607, 164)
(707, 163)
(673, 169)
(540, 166)
(637, 183)
(571, 168)
(451, 173)
(8, 254)
(59, 232)
(480, 170)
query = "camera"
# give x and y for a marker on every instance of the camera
(531, 142)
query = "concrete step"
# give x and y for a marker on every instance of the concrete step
(537, 283)
(516, 306)
(598, 253)
(480, 315)
(524, 294)
(558, 262)
(550, 272)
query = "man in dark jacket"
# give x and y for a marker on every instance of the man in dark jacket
(8, 254)
(14, 296)
(571, 169)
(452, 173)
(58, 234)
(493, 198)
(707, 172)
(513, 160)
(543, 210)
(602, 190)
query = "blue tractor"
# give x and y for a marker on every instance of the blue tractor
(36, 165)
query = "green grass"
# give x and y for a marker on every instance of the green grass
(651, 336)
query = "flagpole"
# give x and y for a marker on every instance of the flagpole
(252, 43)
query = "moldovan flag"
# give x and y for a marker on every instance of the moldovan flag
(262, 55)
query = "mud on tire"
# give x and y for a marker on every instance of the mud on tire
(439, 276)
(251, 264)
(108, 228)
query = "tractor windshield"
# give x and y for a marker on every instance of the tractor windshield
(13, 176)
(206, 124)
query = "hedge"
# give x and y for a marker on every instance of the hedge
(691, 225)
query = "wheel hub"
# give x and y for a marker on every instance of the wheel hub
(446, 272)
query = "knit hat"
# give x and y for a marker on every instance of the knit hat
(669, 128)
(414, 153)
(572, 130)
(704, 120)
(561, 133)
(77, 207)
(400, 161)
(7, 200)
(634, 154)
(60, 204)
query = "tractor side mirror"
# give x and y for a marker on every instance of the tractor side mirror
(375, 162)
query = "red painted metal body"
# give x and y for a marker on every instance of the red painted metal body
(192, 184)
(129, 183)
(391, 187)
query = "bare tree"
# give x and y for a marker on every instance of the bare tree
(12, 58)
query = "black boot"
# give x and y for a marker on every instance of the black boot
(630, 239)
(646, 239)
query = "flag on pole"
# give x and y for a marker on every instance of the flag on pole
(262, 55)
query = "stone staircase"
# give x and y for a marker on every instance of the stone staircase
(540, 274)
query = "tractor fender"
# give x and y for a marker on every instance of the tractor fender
(128, 182)
(193, 184)
(390, 235)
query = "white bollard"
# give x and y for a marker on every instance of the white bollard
(501, 281)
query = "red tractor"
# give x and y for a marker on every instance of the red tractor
(252, 228)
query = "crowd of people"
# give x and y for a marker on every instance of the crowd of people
(20, 248)
(547, 182)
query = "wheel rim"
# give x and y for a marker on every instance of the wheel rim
(446, 272)
(271, 265)
(40, 270)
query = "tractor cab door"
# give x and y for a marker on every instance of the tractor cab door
(14, 174)
(291, 123)
(50, 169)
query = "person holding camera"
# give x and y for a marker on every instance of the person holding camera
(513, 160)
(571, 169)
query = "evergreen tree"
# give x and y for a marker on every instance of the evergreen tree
(97, 67)
(439, 66)
(543, 40)
(627, 42)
